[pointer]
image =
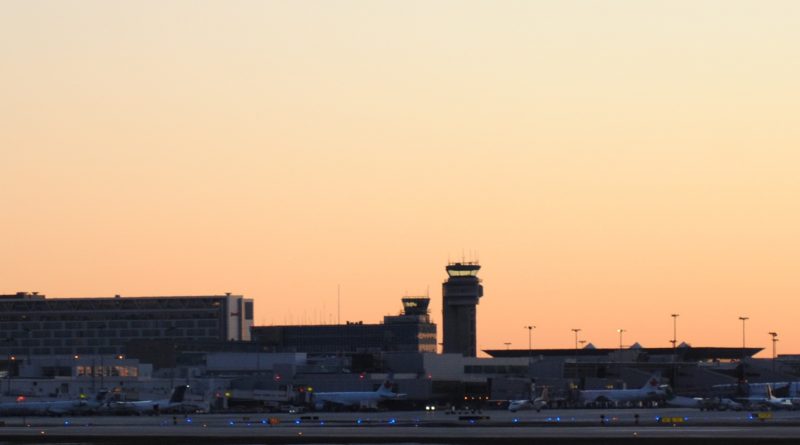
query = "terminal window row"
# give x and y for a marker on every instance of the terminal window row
(22, 329)
(7, 318)
(79, 333)
(495, 369)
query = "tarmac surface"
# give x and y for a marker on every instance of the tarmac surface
(584, 426)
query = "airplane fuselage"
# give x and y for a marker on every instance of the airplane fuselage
(620, 395)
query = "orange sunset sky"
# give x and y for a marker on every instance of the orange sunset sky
(608, 162)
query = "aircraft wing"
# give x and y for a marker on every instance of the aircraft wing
(684, 402)
(131, 407)
(59, 408)
(514, 405)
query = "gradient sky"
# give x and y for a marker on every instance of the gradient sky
(609, 163)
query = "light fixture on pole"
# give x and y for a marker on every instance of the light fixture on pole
(576, 330)
(774, 340)
(530, 329)
(620, 342)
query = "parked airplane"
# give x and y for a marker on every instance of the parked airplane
(724, 404)
(701, 403)
(773, 402)
(537, 403)
(780, 389)
(354, 399)
(785, 400)
(762, 394)
(650, 391)
(676, 401)
(23, 407)
(152, 407)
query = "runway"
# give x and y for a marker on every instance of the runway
(657, 426)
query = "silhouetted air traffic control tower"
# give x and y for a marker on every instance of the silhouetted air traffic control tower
(460, 295)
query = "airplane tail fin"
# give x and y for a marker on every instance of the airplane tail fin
(545, 395)
(386, 387)
(178, 393)
(769, 392)
(652, 382)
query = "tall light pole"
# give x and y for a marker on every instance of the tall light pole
(620, 343)
(508, 344)
(774, 340)
(744, 319)
(530, 329)
(674, 348)
(576, 330)
(674, 340)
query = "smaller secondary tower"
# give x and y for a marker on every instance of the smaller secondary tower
(460, 294)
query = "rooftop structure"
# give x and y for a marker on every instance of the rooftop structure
(411, 331)
(687, 353)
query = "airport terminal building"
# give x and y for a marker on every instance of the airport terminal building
(33, 325)
(147, 344)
